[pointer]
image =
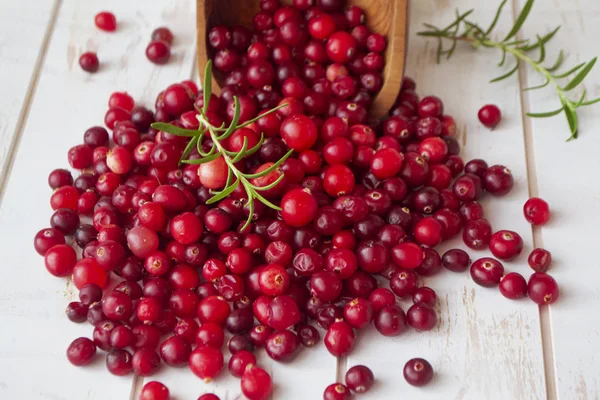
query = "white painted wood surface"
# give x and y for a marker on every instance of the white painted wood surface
(486, 347)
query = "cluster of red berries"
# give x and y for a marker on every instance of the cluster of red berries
(158, 51)
(358, 199)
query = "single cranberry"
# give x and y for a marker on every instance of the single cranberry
(282, 346)
(415, 170)
(359, 379)
(256, 384)
(418, 372)
(542, 288)
(154, 391)
(117, 305)
(506, 245)
(299, 207)
(46, 239)
(513, 286)
(404, 283)
(162, 33)
(380, 298)
(325, 285)
(89, 62)
(428, 232)
(456, 260)
(358, 313)
(119, 362)
(106, 21)
(77, 312)
(213, 309)
(309, 336)
(408, 255)
(421, 317)
(206, 362)
(487, 272)
(391, 321)
(477, 233)
(467, 187)
(240, 343)
(536, 211)
(489, 115)
(210, 334)
(260, 333)
(175, 351)
(299, 132)
(498, 180)
(337, 391)
(240, 361)
(339, 339)
(539, 260)
(158, 52)
(471, 211)
(81, 351)
(121, 337)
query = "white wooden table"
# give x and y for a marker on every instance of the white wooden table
(486, 347)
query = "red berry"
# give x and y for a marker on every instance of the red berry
(158, 52)
(339, 339)
(256, 384)
(298, 207)
(386, 163)
(337, 391)
(490, 115)
(89, 62)
(106, 21)
(206, 362)
(506, 245)
(154, 391)
(539, 260)
(536, 211)
(418, 372)
(487, 272)
(513, 286)
(542, 288)
(341, 47)
(299, 132)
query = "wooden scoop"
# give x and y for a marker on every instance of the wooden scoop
(387, 17)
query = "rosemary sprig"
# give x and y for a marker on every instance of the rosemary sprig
(461, 29)
(217, 134)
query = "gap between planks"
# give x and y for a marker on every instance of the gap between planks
(536, 232)
(28, 100)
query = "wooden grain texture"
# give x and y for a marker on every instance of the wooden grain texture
(67, 101)
(485, 346)
(386, 17)
(564, 175)
(21, 52)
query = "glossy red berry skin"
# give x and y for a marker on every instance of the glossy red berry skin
(158, 52)
(407, 255)
(341, 47)
(404, 283)
(339, 339)
(338, 180)
(391, 321)
(487, 272)
(489, 115)
(498, 180)
(477, 233)
(299, 132)
(539, 260)
(456, 260)
(428, 232)
(425, 296)
(358, 313)
(418, 372)
(421, 317)
(536, 211)
(154, 391)
(337, 391)
(513, 286)
(386, 163)
(81, 351)
(186, 228)
(359, 379)
(298, 207)
(60, 260)
(106, 21)
(206, 362)
(256, 384)
(506, 245)
(542, 288)
(89, 62)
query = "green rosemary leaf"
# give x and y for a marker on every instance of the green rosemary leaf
(256, 146)
(519, 42)
(590, 102)
(266, 202)
(503, 60)
(236, 117)
(537, 86)
(203, 159)
(242, 153)
(207, 85)
(542, 51)
(432, 34)
(174, 130)
(450, 51)
(188, 149)
(271, 168)
(581, 99)
(458, 20)
(569, 72)
(545, 115)
(229, 176)
(558, 62)
(580, 75)
(270, 185)
(262, 115)
(475, 27)
(520, 20)
(509, 73)
(572, 120)
(540, 42)
(224, 193)
(496, 18)
(440, 50)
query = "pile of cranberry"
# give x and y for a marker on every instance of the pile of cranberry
(163, 276)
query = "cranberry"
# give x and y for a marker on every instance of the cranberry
(487, 272)
(206, 362)
(539, 260)
(282, 346)
(477, 233)
(536, 211)
(307, 262)
(210, 334)
(77, 312)
(299, 132)
(359, 379)
(338, 180)
(428, 232)
(456, 260)
(391, 321)
(309, 336)
(142, 241)
(415, 170)
(421, 317)
(154, 391)
(119, 362)
(467, 187)
(117, 305)
(89, 62)
(106, 21)
(476, 167)
(158, 52)
(121, 337)
(325, 285)
(513, 286)
(162, 33)
(407, 255)
(219, 37)
(404, 283)
(380, 298)
(256, 384)
(542, 288)
(497, 180)
(299, 207)
(506, 245)
(339, 339)
(386, 163)
(260, 333)
(175, 351)
(213, 309)
(336, 391)
(471, 211)
(358, 313)
(489, 115)
(240, 361)
(81, 351)
(418, 372)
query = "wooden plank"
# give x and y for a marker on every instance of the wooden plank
(23, 28)
(564, 177)
(485, 346)
(67, 101)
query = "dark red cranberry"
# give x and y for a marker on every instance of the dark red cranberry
(490, 115)
(418, 372)
(282, 346)
(542, 288)
(539, 260)
(487, 272)
(513, 286)
(391, 321)
(536, 211)
(477, 233)
(456, 260)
